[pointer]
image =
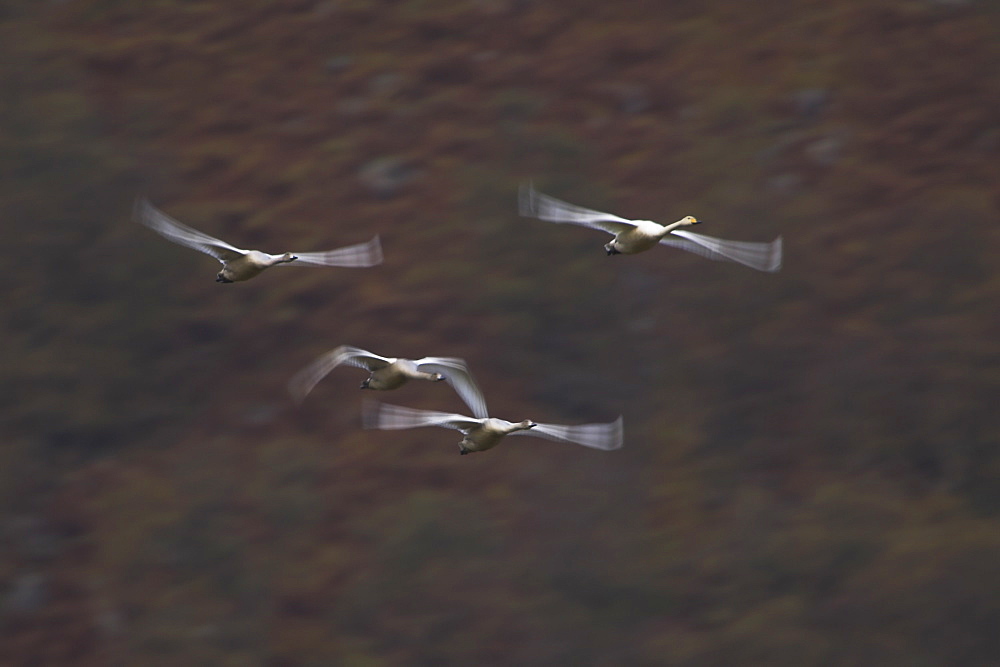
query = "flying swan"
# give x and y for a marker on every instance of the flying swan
(633, 236)
(480, 434)
(240, 264)
(391, 373)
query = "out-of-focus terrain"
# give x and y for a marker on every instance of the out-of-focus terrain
(810, 475)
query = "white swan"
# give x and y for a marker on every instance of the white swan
(390, 373)
(632, 236)
(238, 264)
(480, 434)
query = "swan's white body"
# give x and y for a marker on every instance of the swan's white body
(633, 236)
(388, 373)
(482, 433)
(239, 264)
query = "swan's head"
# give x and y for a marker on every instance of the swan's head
(437, 377)
(526, 424)
(364, 385)
(690, 220)
(287, 257)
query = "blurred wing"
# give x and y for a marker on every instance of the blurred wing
(174, 231)
(303, 382)
(392, 417)
(355, 356)
(536, 205)
(760, 256)
(457, 374)
(598, 436)
(355, 256)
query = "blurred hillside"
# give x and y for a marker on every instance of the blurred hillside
(810, 475)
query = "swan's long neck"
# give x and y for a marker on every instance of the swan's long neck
(521, 426)
(284, 259)
(408, 369)
(672, 226)
(264, 260)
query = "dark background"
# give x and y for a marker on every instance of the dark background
(810, 474)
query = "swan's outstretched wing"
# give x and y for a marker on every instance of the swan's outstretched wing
(760, 256)
(361, 255)
(172, 230)
(303, 382)
(534, 204)
(457, 374)
(393, 417)
(599, 436)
